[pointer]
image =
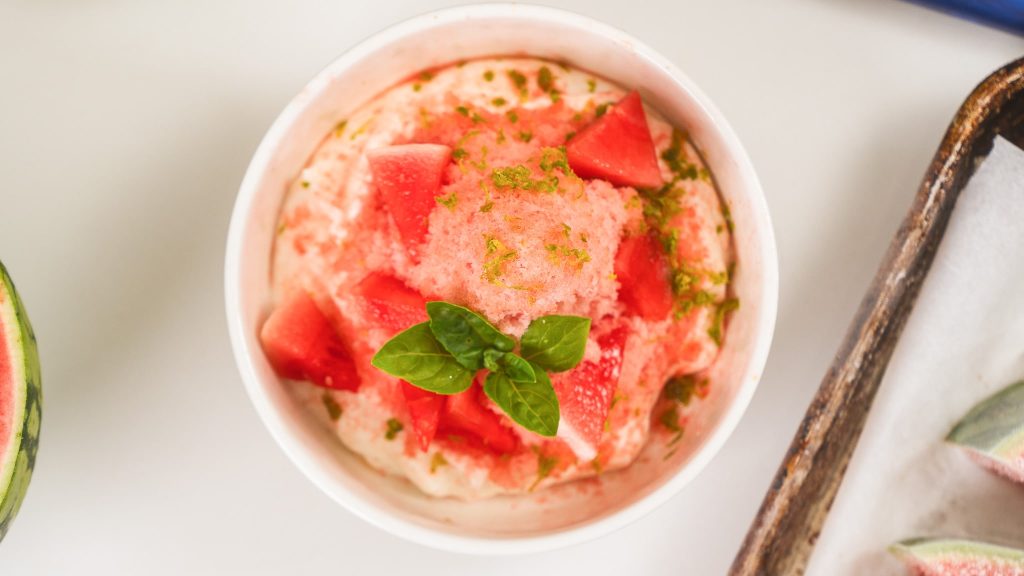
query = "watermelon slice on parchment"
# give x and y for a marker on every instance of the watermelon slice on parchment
(992, 433)
(21, 397)
(949, 557)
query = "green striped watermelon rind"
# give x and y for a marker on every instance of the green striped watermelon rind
(994, 429)
(17, 469)
(953, 556)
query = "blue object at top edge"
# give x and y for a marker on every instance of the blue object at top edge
(1007, 14)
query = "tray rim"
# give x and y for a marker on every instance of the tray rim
(782, 535)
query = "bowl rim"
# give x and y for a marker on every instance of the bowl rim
(297, 452)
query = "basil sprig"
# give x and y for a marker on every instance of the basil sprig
(417, 357)
(465, 334)
(532, 404)
(444, 354)
(556, 343)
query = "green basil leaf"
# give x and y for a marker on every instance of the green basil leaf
(415, 356)
(517, 369)
(492, 359)
(556, 343)
(533, 405)
(465, 334)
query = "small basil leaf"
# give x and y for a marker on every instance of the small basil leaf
(492, 359)
(415, 356)
(533, 405)
(517, 369)
(556, 343)
(465, 334)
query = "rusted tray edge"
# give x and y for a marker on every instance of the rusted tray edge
(783, 533)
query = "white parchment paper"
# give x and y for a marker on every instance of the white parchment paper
(963, 341)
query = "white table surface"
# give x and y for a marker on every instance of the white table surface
(125, 128)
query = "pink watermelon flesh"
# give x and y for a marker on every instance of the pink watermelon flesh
(644, 277)
(408, 178)
(617, 147)
(390, 303)
(301, 344)
(465, 415)
(585, 395)
(424, 411)
(936, 557)
(1005, 466)
(6, 389)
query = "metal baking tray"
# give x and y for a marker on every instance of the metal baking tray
(783, 534)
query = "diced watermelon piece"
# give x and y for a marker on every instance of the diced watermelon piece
(465, 415)
(301, 344)
(424, 411)
(644, 277)
(617, 147)
(585, 395)
(408, 178)
(389, 303)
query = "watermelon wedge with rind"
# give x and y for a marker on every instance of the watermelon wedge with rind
(952, 557)
(992, 433)
(21, 398)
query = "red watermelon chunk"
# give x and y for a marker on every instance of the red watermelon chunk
(585, 395)
(465, 415)
(389, 303)
(424, 411)
(301, 344)
(408, 178)
(644, 277)
(617, 147)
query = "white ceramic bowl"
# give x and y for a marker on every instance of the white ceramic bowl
(561, 515)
